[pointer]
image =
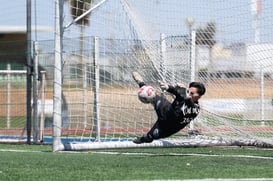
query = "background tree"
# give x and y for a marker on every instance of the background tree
(206, 36)
(77, 8)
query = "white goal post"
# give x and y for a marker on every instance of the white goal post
(94, 61)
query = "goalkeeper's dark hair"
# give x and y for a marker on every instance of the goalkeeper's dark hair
(200, 87)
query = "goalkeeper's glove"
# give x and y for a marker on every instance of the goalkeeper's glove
(180, 85)
(163, 85)
(181, 90)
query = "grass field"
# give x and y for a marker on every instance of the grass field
(37, 162)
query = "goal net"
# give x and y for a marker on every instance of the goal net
(228, 46)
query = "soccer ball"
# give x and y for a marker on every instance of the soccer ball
(146, 94)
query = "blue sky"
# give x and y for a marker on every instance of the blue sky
(233, 18)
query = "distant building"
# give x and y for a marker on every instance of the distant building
(13, 46)
(237, 60)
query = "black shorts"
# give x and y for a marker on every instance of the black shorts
(167, 123)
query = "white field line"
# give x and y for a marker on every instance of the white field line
(20, 151)
(183, 154)
(147, 154)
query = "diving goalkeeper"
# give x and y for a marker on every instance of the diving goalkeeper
(172, 116)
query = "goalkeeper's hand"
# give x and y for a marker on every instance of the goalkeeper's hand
(163, 85)
(181, 85)
(181, 90)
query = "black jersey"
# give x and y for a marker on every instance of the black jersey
(173, 116)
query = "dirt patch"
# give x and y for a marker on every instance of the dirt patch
(126, 97)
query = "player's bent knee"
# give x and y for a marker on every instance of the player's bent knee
(156, 134)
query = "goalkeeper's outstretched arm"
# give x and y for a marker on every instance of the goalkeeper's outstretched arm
(179, 90)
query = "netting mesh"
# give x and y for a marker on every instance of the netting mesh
(236, 69)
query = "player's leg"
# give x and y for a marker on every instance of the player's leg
(161, 106)
(149, 136)
(143, 139)
(139, 80)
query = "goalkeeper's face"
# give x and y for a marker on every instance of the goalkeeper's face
(193, 93)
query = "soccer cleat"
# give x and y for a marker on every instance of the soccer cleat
(138, 140)
(139, 80)
(142, 139)
(194, 133)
